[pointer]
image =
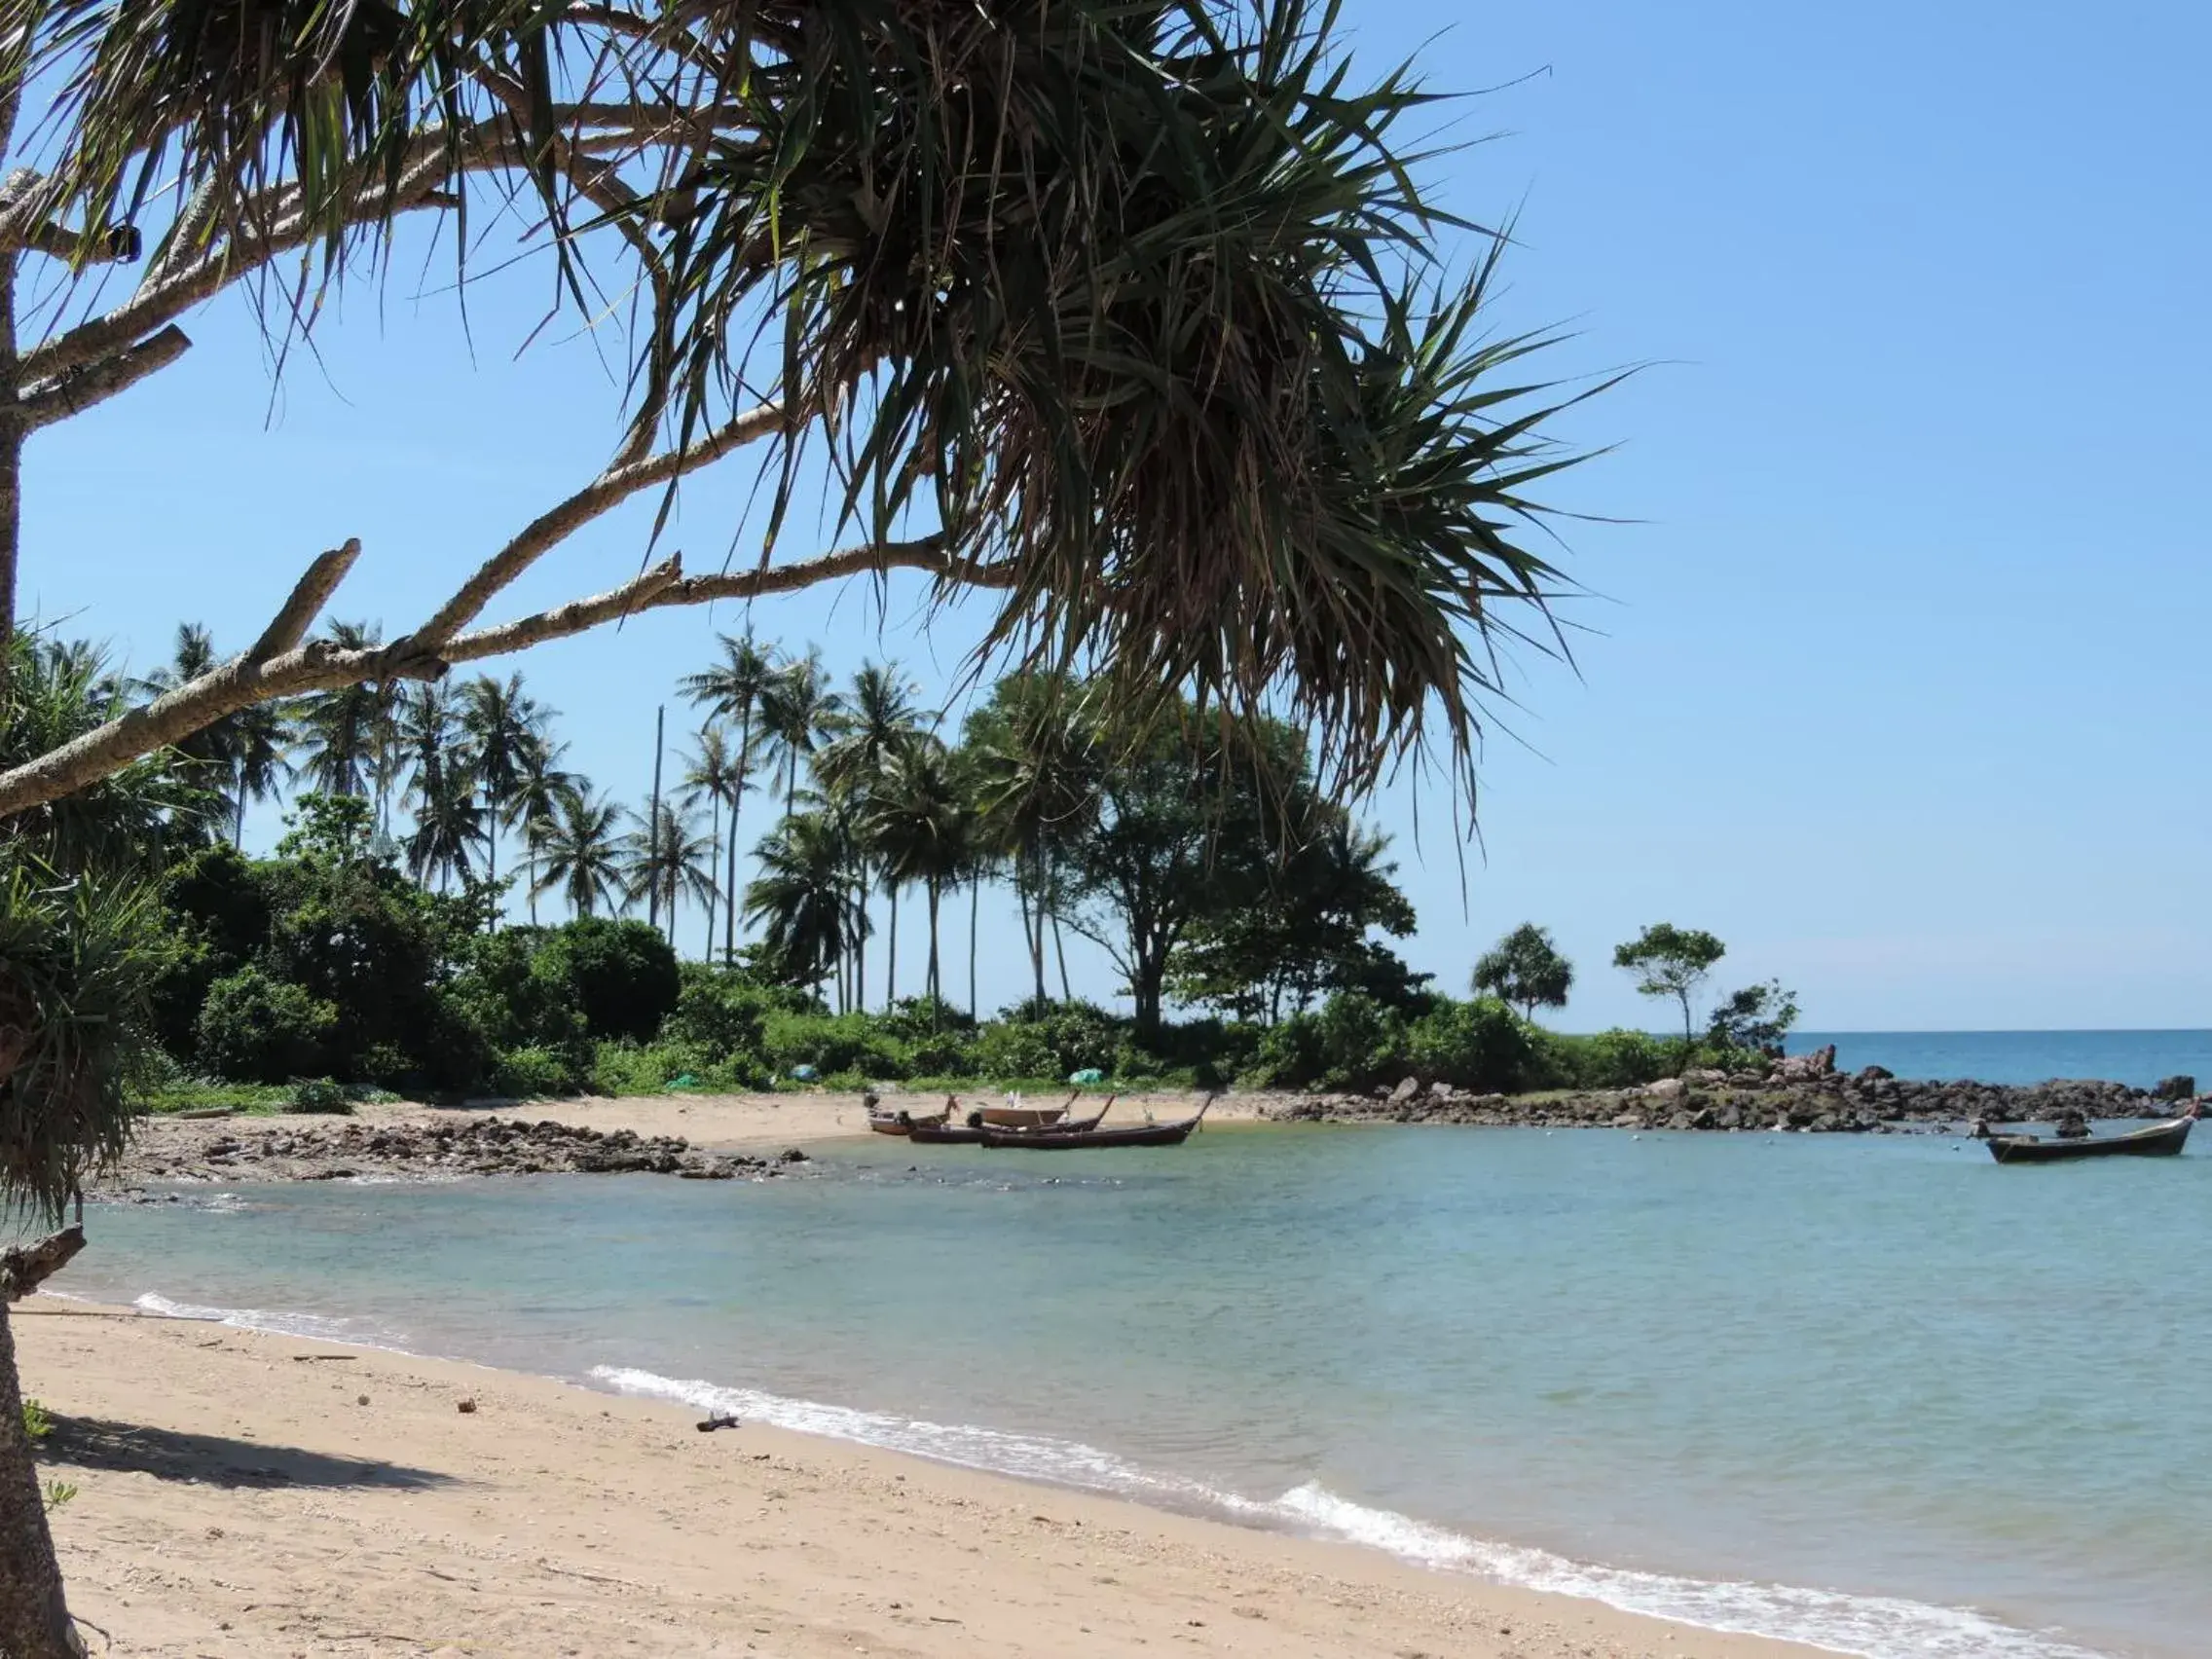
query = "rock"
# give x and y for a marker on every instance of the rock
(1706, 1076)
(1665, 1089)
(792, 1155)
(1800, 1068)
(1875, 1074)
(1629, 1121)
(2179, 1088)
(1407, 1089)
(466, 1408)
(1440, 1090)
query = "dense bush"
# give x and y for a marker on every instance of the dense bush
(1609, 1059)
(256, 1029)
(624, 973)
(529, 1072)
(834, 1044)
(1481, 1046)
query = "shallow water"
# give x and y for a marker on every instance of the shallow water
(1675, 1372)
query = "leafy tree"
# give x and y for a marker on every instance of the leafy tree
(1526, 969)
(625, 974)
(1304, 928)
(734, 689)
(1756, 1017)
(263, 1030)
(1671, 962)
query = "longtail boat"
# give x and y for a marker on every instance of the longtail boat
(1091, 1136)
(2159, 1140)
(905, 1123)
(1027, 1117)
(945, 1132)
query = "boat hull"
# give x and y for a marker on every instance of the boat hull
(2160, 1140)
(1072, 1140)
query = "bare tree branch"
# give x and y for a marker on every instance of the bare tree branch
(24, 1268)
(320, 665)
(617, 484)
(309, 593)
(78, 390)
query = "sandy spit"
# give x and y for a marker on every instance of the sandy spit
(238, 1498)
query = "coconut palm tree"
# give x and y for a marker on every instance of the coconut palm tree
(734, 689)
(873, 719)
(713, 775)
(802, 896)
(581, 851)
(452, 824)
(536, 805)
(501, 727)
(1036, 756)
(668, 859)
(799, 712)
(340, 732)
(219, 751)
(918, 827)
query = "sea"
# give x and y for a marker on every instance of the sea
(1878, 1395)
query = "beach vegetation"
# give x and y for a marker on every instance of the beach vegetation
(1525, 968)
(1755, 1019)
(1668, 960)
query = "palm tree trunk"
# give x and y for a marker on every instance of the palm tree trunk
(492, 866)
(736, 800)
(891, 952)
(936, 984)
(1060, 950)
(237, 826)
(859, 941)
(532, 881)
(715, 808)
(974, 912)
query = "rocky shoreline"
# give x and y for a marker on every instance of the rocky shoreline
(1804, 1094)
(342, 1149)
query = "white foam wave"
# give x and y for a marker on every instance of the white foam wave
(1871, 1626)
(317, 1327)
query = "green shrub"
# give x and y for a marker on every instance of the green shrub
(256, 1029)
(1011, 1049)
(530, 1072)
(834, 1044)
(1610, 1059)
(1479, 1045)
(624, 975)
(649, 1068)
(38, 1422)
(320, 1094)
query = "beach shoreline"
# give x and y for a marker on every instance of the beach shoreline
(235, 1497)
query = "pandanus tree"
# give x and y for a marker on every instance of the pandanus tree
(1138, 306)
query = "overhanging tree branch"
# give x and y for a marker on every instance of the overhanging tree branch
(278, 666)
(78, 389)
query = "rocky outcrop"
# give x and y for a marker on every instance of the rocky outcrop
(470, 1146)
(1803, 1093)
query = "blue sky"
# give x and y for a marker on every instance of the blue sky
(1894, 680)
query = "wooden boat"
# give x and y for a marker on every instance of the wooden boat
(2159, 1140)
(1026, 1117)
(975, 1130)
(903, 1123)
(1091, 1136)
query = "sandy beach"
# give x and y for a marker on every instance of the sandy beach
(243, 1493)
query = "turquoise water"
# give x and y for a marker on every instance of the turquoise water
(2137, 1057)
(1879, 1393)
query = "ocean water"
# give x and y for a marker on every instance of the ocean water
(1876, 1394)
(2140, 1059)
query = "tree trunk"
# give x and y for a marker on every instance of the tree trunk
(238, 826)
(736, 800)
(859, 942)
(937, 986)
(1060, 950)
(1144, 987)
(974, 912)
(714, 809)
(34, 1615)
(11, 422)
(891, 952)
(492, 868)
(653, 826)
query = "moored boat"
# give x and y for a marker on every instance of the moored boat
(945, 1132)
(2159, 1140)
(1026, 1117)
(1090, 1136)
(905, 1123)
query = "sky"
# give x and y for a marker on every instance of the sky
(1888, 667)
